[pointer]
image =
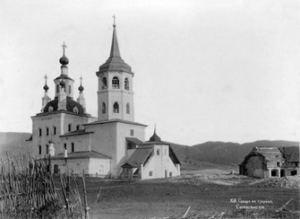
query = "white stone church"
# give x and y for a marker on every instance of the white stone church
(112, 145)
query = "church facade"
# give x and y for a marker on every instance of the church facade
(108, 145)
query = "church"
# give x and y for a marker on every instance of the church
(110, 145)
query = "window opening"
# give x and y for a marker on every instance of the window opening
(131, 132)
(40, 149)
(47, 131)
(73, 147)
(103, 108)
(127, 108)
(40, 132)
(126, 84)
(104, 83)
(116, 107)
(54, 130)
(69, 127)
(115, 83)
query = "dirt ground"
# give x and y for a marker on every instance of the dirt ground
(210, 192)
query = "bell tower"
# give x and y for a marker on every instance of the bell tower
(115, 86)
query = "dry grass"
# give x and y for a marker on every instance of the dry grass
(27, 190)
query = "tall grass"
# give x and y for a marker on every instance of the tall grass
(27, 190)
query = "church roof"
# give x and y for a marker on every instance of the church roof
(112, 121)
(139, 156)
(80, 155)
(114, 62)
(62, 77)
(134, 140)
(77, 132)
(70, 106)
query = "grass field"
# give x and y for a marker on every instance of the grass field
(209, 192)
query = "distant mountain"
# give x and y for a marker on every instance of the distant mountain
(225, 153)
(208, 153)
(14, 143)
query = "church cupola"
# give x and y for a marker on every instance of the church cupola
(46, 99)
(115, 86)
(155, 137)
(68, 86)
(81, 99)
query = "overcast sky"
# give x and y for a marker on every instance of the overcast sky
(213, 70)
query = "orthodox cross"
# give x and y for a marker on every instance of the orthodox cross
(114, 20)
(64, 48)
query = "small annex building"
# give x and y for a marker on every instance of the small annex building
(266, 162)
(152, 159)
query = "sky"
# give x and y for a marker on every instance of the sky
(205, 70)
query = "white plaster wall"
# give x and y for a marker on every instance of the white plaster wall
(99, 167)
(161, 165)
(110, 95)
(73, 165)
(60, 121)
(110, 140)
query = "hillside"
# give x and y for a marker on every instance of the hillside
(200, 155)
(14, 143)
(225, 153)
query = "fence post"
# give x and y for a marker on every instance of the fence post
(86, 208)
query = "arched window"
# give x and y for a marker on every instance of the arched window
(126, 84)
(70, 127)
(127, 108)
(57, 88)
(103, 108)
(47, 131)
(104, 83)
(69, 89)
(54, 130)
(72, 147)
(76, 110)
(115, 83)
(40, 149)
(116, 107)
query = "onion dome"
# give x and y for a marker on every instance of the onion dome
(46, 88)
(62, 83)
(70, 106)
(155, 137)
(114, 62)
(81, 88)
(64, 60)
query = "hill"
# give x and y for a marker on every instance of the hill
(14, 143)
(224, 153)
(197, 156)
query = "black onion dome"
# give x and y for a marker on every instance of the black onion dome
(70, 106)
(46, 88)
(155, 138)
(62, 83)
(64, 60)
(81, 88)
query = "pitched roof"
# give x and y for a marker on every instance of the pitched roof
(80, 155)
(134, 140)
(139, 156)
(291, 154)
(112, 121)
(77, 132)
(114, 62)
(269, 153)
